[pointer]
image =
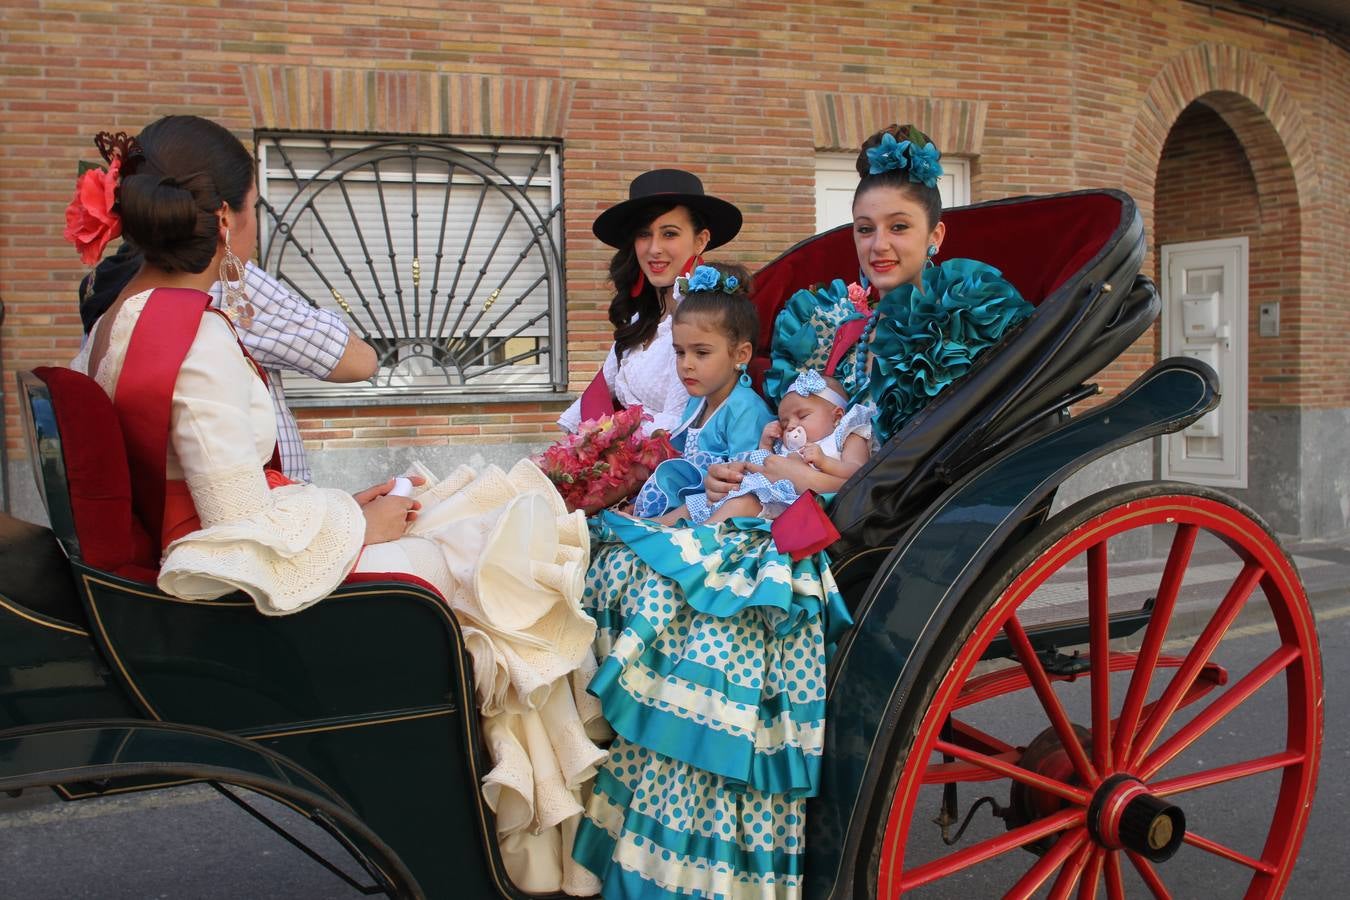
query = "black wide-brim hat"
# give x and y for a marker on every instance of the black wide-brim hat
(615, 225)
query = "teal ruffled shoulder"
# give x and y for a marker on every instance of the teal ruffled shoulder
(803, 334)
(927, 338)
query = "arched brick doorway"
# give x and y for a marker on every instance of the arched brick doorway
(1300, 413)
(1224, 176)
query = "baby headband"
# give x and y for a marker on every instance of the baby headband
(706, 279)
(811, 383)
(917, 157)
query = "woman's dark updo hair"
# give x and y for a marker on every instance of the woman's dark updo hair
(733, 314)
(172, 189)
(624, 271)
(925, 196)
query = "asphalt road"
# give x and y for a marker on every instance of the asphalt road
(191, 843)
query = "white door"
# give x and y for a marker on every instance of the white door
(1205, 317)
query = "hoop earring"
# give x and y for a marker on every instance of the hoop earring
(744, 378)
(232, 296)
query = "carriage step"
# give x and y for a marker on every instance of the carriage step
(1047, 639)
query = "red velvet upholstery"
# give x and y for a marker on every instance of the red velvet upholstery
(111, 537)
(1037, 243)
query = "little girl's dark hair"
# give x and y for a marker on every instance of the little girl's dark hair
(731, 313)
(925, 196)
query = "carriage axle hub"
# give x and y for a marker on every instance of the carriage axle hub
(1123, 815)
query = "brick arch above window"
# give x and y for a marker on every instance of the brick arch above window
(843, 121)
(1207, 72)
(313, 99)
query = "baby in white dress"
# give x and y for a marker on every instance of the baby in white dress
(816, 424)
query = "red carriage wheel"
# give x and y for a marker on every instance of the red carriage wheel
(1092, 724)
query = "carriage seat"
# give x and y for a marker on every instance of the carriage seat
(84, 476)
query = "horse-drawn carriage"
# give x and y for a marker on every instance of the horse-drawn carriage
(991, 650)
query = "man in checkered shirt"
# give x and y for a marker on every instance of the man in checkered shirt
(286, 333)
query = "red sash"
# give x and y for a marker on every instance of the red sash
(144, 403)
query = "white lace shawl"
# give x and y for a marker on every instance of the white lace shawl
(647, 377)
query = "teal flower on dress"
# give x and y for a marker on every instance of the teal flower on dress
(923, 164)
(927, 338)
(888, 155)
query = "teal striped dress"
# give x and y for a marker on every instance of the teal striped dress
(714, 648)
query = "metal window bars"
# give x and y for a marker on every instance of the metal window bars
(446, 257)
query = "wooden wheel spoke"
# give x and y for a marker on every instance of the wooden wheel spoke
(1067, 846)
(1099, 653)
(990, 848)
(1115, 880)
(1016, 773)
(1087, 886)
(1233, 772)
(1228, 853)
(1054, 709)
(1231, 699)
(1183, 542)
(968, 735)
(1071, 873)
(1150, 876)
(1233, 602)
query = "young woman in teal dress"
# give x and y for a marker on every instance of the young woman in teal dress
(714, 642)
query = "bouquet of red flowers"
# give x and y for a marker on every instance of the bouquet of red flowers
(605, 461)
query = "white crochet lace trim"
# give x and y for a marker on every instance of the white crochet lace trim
(230, 495)
(287, 556)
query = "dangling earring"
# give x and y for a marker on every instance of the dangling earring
(744, 377)
(932, 252)
(233, 298)
(638, 285)
(862, 280)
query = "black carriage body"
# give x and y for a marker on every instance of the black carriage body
(382, 738)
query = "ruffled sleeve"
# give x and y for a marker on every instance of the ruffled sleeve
(856, 420)
(928, 337)
(286, 548)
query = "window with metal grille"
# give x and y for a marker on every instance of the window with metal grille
(445, 256)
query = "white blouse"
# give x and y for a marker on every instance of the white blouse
(646, 377)
(286, 548)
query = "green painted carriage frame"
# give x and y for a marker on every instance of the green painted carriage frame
(358, 712)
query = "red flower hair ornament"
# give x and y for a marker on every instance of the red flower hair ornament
(92, 218)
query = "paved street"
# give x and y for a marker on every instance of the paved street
(192, 843)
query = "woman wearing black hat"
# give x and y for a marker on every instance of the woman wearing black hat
(667, 222)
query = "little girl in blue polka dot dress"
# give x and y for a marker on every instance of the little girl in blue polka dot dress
(713, 679)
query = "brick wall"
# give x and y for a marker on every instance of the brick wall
(1052, 95)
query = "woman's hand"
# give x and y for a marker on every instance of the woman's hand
(379, 490)
(723, 478)
(791, 467)
(387, 517)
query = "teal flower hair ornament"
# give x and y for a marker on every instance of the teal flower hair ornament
(705, 279)
(921, 162)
